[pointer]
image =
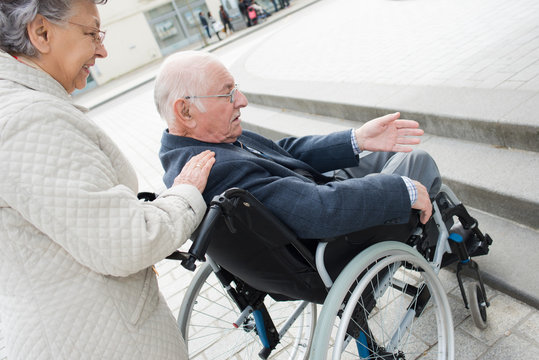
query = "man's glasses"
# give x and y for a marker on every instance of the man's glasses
(232, 95)
(97, 35)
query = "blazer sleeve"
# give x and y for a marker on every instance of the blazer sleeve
(58, 176)
(322, 152)
(317, 211)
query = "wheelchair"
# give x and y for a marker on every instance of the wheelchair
(259, 291)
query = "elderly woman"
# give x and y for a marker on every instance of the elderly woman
(76, 246)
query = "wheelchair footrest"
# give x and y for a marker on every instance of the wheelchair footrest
(474, 242)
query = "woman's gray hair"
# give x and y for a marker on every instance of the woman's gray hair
(182, 74)
(15, 15)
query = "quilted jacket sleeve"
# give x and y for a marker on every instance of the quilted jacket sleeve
(69, 181)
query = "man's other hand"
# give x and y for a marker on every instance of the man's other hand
(422, 202)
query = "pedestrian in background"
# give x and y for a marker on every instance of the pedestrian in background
(216, 25)
(76, 244)
(204, 23)
(243, 4)
(225, 19)
(275, 5)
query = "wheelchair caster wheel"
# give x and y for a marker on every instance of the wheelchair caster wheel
(478, 305)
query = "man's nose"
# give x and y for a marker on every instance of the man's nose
(241, 100)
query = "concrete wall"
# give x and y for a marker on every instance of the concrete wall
(118, 9)
(130, 44)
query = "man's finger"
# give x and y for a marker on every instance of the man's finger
(386, 119)
(406, 124)
(410, 132)
(401, 148)
(408, 140)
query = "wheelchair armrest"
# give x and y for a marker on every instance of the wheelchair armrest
(198, 249)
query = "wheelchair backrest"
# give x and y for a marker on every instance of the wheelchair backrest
(248, 241)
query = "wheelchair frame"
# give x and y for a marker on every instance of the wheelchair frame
(353, 299)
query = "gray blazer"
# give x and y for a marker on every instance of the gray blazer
(287, 177)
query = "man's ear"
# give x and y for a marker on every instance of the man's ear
(182, 114)
(39, 32)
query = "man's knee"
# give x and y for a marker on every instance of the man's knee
(426, 170)
(421, 154)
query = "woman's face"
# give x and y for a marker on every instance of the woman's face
(74, 47)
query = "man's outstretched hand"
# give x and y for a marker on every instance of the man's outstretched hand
(388, 133)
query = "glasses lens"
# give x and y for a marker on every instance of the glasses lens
(101, 36)
(233, 94)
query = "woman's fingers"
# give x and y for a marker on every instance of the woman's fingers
(197, 170)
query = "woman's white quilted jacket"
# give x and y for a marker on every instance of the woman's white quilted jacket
(76, 246)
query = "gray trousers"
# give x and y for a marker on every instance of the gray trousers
(417, 165)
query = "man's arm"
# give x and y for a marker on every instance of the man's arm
(317, 211)
(322, 152)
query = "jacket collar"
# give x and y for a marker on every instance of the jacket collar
(175, 141)
(35, 79)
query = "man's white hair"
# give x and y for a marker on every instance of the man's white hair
(182, 74)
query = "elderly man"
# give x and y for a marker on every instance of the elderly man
(317, 185)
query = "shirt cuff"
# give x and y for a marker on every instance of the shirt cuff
(412, 191)
(355, 145)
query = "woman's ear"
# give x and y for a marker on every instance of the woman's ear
(39, 32)
(182, 114)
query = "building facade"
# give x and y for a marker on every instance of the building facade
(142, 31)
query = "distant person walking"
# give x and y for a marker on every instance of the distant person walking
(225, 19)
(204, 23)
(275, 5)
(284, 3)
(216, 26)
(243, 4)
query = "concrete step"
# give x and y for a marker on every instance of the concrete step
(497, 180)
(490, 181)
(518, 130)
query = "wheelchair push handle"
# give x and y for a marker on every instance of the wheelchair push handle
(200, 245)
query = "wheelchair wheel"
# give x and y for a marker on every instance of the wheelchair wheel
(388, 303)
(206, 321)
(478, 307)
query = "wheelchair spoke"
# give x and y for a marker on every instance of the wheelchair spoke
(207, 317)
(382, 328)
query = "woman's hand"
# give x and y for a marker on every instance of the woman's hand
(197, 170)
